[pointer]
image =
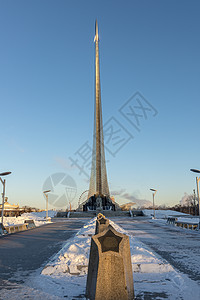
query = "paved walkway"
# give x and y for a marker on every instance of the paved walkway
(180, 247)
(24, 252)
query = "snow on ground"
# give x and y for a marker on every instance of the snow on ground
(73, 258)
(65, 275)
(188, 220)
(38, 217)
(163, 214)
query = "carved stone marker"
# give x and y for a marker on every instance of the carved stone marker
(101, 224)
(99, 216)
(110, 274)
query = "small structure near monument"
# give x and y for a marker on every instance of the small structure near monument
(110, 271)
(100, 215)
(101, 223)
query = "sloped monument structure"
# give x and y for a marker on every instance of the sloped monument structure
(110, 275)
(98, 195)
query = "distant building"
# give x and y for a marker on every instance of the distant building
(28, 209)
(10, 210)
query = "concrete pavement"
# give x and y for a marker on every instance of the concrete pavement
(26, 251)
(180, 247)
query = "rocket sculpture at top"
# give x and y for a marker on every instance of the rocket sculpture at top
(98, 179)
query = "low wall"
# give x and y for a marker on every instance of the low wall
(193, 225)
(16, 228)
(28, 224)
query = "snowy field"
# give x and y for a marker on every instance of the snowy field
(64, 276)
(163, 214)
(38, 217)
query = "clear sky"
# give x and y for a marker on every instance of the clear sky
(47, 94)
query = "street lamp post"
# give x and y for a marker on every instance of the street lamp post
(70, 207)
(3, 194)
(197, 181)
(153, 190)
(46, 195)
(195, 208)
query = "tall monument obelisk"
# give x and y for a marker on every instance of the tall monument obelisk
(98, 114)
(98, 179)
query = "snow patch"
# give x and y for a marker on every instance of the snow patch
(73, 258)
(38, 217)
(189, 220)
(163, 214)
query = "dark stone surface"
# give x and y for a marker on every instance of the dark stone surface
(110, 242)
(29, 250)
(106, 203)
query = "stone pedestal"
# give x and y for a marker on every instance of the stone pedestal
(101, 224)
(110, 274)
(100, 215)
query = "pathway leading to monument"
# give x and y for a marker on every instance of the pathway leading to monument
(180, 247)
(24, 252)
(153, 278)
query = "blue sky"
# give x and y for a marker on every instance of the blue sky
(47, 93)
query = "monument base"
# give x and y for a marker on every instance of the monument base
(100, 203)
(99, 210)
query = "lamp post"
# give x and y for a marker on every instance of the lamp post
(195, 208)
(70, 207)
(3, 194)
(46, 195)
(153, 190)
(197, 181)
